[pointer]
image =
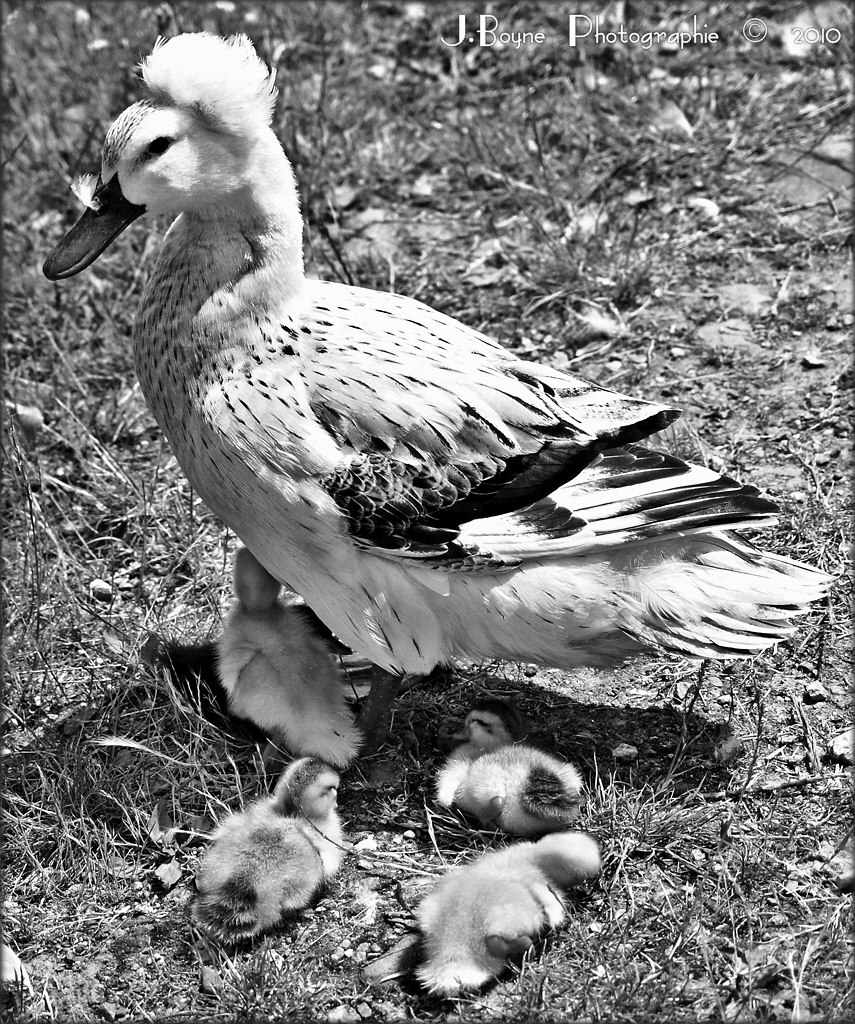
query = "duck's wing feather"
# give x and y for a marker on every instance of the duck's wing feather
(628, 495)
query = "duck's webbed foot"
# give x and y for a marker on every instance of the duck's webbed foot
(376, 713)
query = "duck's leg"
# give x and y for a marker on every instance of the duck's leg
(376, 713)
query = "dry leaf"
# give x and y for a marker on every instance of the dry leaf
(486, 276)
(670, 120)
(812, 358)
(169, 873)
(707, 207)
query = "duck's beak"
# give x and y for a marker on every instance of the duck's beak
(90, 236)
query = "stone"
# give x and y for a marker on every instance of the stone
(210, 981)
(625, 753)
(842, 747)
(814, 692)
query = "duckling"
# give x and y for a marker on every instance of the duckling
(488, 912)
(273, 857)
(504, 783)
(280, 674)
(490, 723)
(518, 789)
(428, 493)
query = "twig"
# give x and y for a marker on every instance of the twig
(769, 787)
(743, 789)
(807, 731)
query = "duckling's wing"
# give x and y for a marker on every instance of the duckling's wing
(551, 789)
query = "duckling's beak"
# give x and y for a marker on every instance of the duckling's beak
(90, 236)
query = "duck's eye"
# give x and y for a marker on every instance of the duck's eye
(159, 145)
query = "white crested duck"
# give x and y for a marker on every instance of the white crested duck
(428, 493)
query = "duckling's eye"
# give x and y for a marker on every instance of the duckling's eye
(159, 145)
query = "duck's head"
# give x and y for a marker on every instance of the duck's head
(190, 146)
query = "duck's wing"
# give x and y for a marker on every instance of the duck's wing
(435, 444)
(437, 426)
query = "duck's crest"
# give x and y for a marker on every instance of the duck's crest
(84, 187)
(224, 80)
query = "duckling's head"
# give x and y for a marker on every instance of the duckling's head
(255, 588)
(308, 786)
(195, 144)
(492, 723)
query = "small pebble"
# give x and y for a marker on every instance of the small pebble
(343, 1015)
(841, 747)
(30, 421)
(625, 753)
(845, 881)
(210, 981)
(814, 692)
(100, 590)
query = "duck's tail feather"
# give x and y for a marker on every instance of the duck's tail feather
(717, 596)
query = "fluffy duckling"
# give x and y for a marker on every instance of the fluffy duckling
(280, 674)
(429, 494)
(273, 857)
(485, 913)
(518, 789)
(506, 784)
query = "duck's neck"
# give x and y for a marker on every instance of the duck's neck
(257, 230)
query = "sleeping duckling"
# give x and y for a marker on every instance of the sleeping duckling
(280, 674)
(485, 913)
(506, 784)
(273, 857)
(491, 723)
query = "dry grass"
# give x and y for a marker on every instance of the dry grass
(471, 180)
